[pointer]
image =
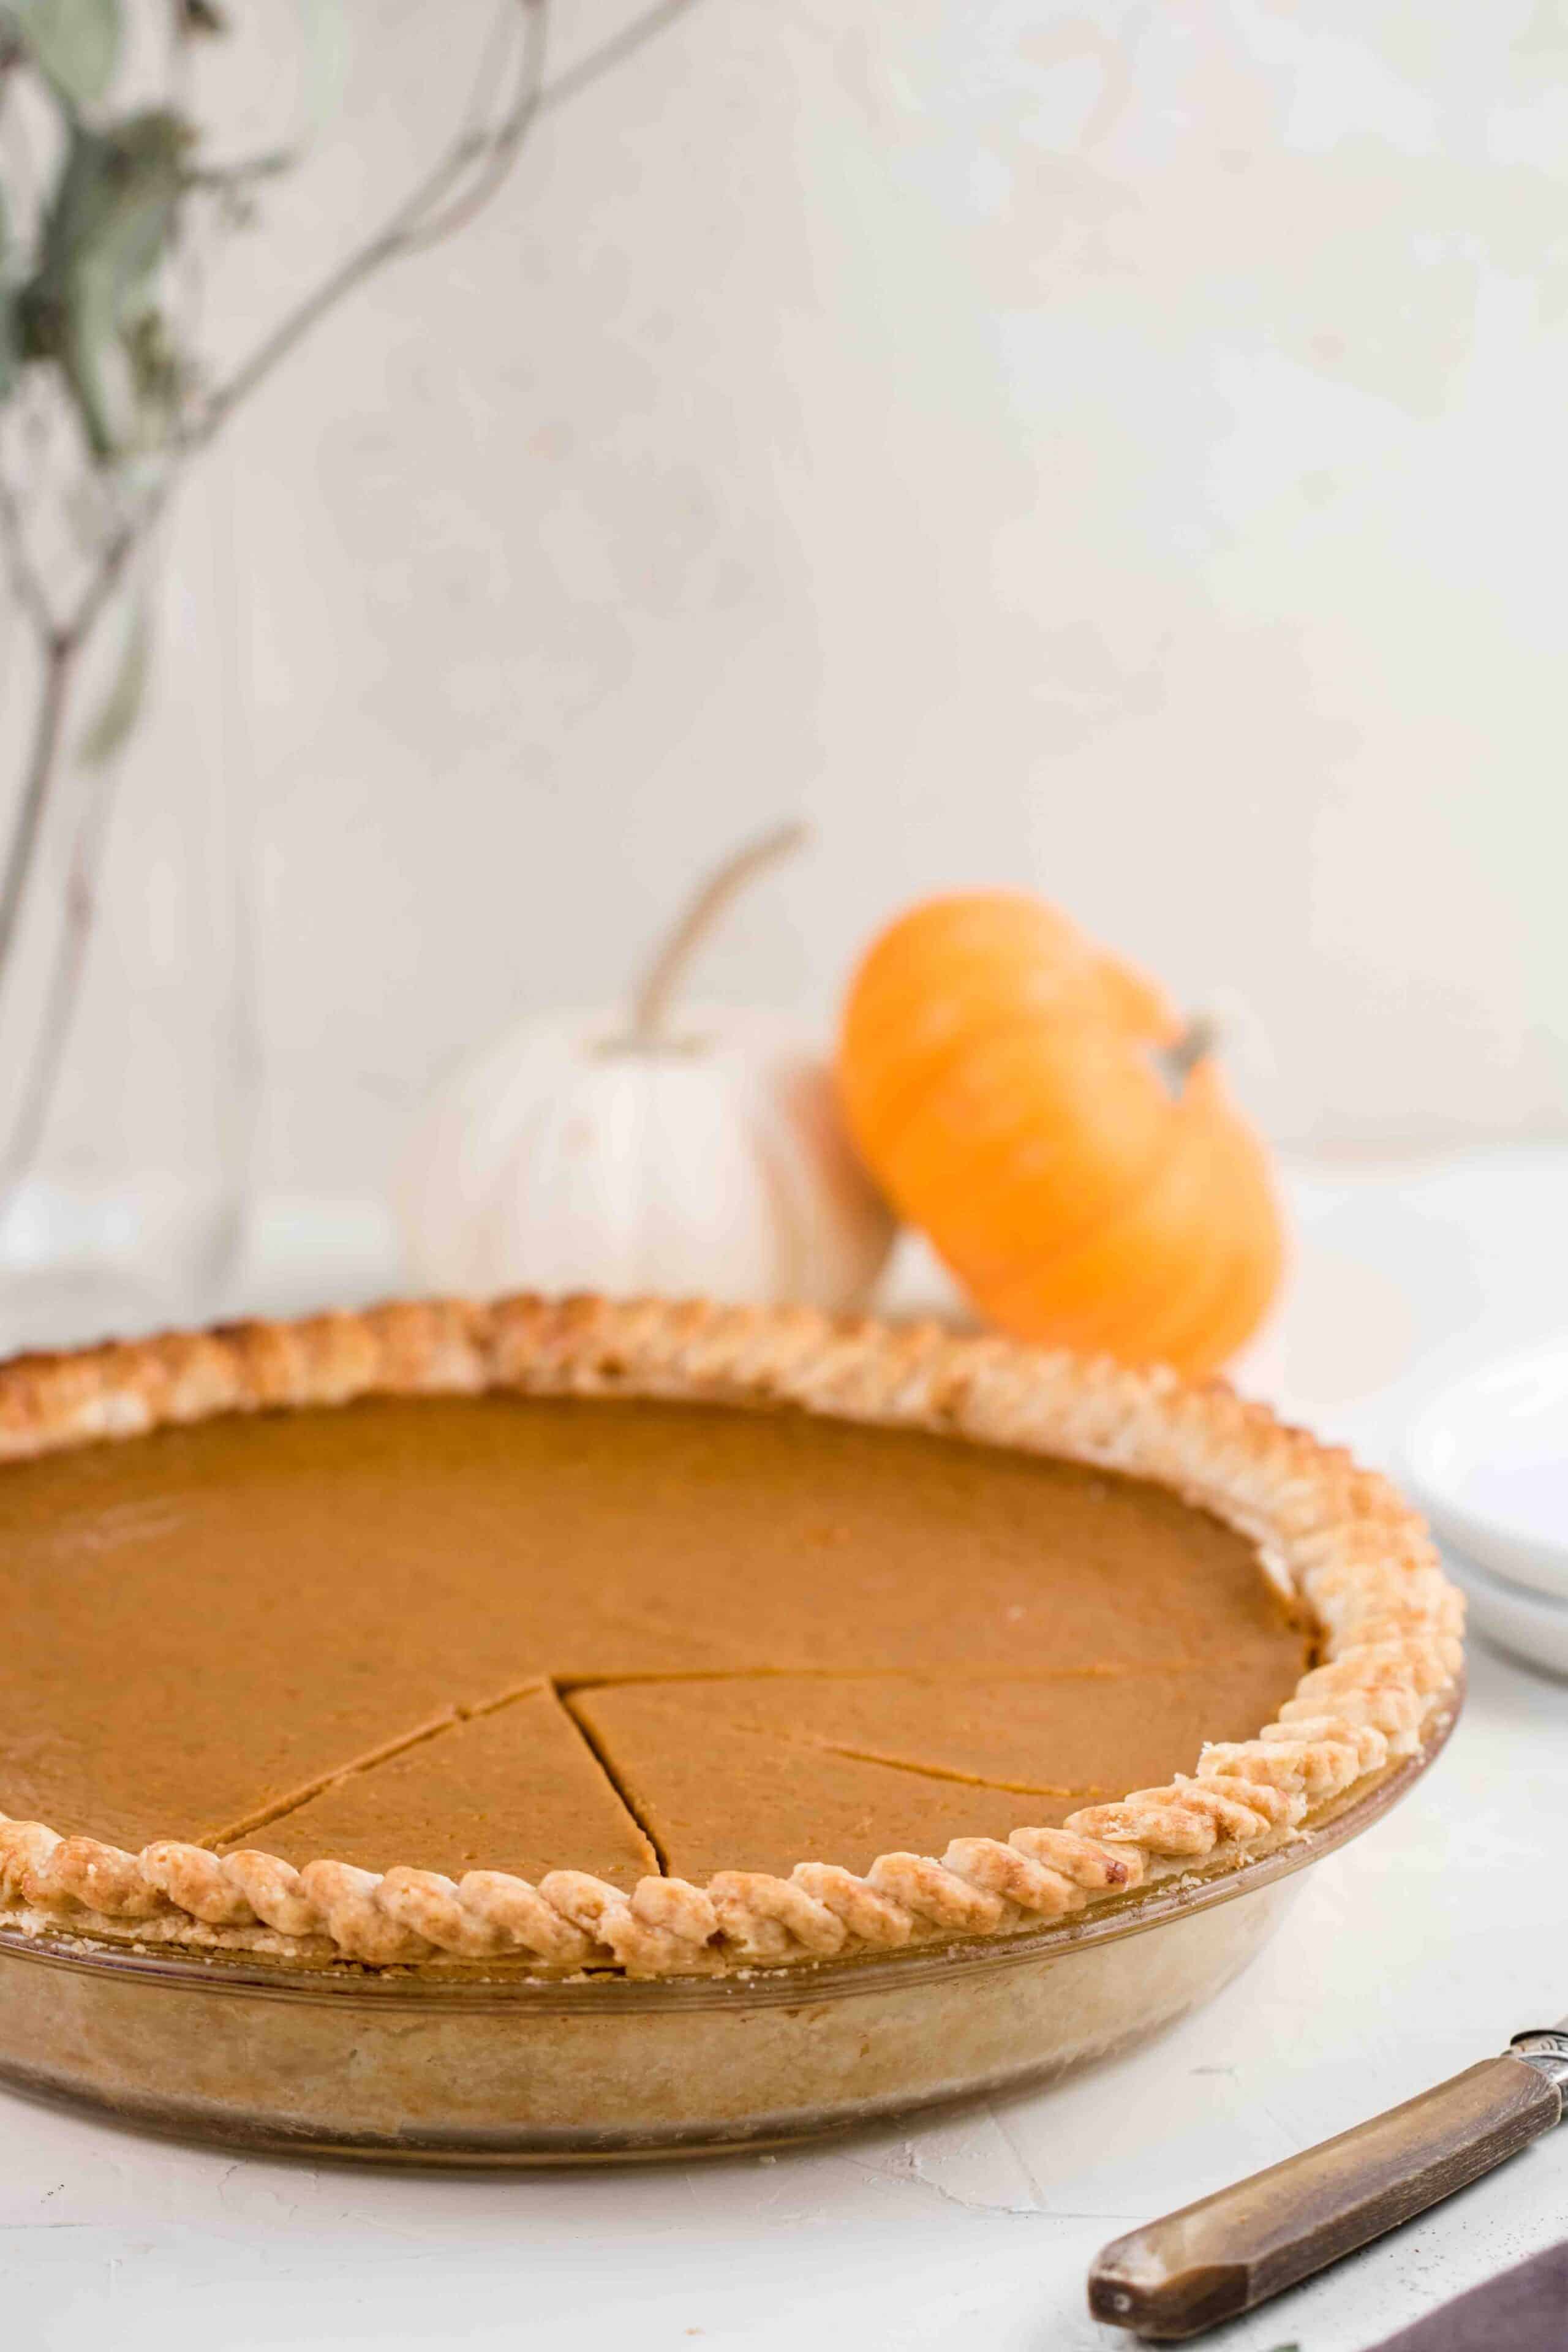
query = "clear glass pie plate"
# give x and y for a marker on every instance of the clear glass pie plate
(475, 2064)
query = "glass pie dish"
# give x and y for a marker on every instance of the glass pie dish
(479, 2064)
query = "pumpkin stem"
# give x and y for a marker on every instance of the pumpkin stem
(662, 982)
(1177, 1061)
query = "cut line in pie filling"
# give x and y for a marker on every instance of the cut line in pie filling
(528, 1634)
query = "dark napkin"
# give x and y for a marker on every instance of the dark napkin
(1525, 2310)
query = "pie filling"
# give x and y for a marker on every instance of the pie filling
(621, 1637)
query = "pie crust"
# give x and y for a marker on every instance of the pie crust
(1339, 1539)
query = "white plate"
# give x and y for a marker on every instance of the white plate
(1487, 1456)
(1527, 1625)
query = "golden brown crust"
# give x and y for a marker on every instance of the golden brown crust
(1339, 1538)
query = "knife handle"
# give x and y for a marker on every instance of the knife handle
(1237, 2248)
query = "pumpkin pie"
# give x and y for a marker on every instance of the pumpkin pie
(667, 1638)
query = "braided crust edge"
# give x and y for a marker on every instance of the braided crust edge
(1338, 1538)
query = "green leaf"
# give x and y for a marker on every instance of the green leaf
(108, 230)
(75, 42)
(122, 706)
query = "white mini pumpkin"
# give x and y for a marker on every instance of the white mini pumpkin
(595, 1152)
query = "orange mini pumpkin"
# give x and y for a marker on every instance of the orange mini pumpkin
(1037, 1108)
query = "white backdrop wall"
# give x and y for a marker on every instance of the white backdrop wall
(1115, 449)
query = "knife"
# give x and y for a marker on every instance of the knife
(1235, 2248)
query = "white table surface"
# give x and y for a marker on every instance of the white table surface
(1409, 1955)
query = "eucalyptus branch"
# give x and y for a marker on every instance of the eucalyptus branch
(465, 177)
(43, 754)
(612, 53)
(62, 650)
(61, 643)
(63, 987)
(405, 229)
(27, 585)
(245, 172)
(129, 534)
(489, 154)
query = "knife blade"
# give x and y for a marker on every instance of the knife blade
(1235, 2248)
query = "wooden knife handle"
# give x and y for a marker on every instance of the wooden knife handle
(1235, 2248)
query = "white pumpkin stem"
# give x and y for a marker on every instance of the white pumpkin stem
(665, 976)
(1178, 1060)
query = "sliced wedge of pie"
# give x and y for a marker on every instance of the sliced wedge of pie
(666, 1638)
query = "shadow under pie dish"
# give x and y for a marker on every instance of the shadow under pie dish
(556, 1648)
